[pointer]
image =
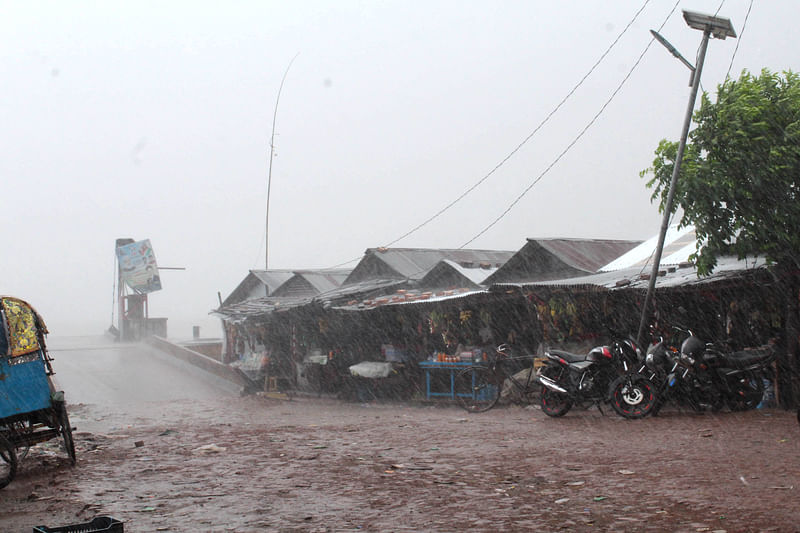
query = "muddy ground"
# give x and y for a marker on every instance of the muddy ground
(262, 464)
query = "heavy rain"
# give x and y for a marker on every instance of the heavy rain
(459, 266)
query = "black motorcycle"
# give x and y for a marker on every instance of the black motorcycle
(738, 377)
(642, 391)
(568, 379)
(699, 376)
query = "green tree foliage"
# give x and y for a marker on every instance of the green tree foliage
(740, 177)
(739, 184)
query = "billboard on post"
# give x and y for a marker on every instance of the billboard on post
(138, 268)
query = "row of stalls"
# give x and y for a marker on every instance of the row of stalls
(374, 334)
(374, 350)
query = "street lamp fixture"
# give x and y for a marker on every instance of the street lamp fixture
(710, 25)
(674, 51)
(719, 27)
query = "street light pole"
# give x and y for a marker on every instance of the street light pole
(720, 28)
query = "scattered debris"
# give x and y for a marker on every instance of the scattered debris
(209, 448)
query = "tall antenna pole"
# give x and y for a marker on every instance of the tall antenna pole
(271, 155)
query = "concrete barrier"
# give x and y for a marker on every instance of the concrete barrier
(197, 359)
(209, 348)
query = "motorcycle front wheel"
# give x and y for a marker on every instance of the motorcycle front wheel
(554, 403)
(632, 396)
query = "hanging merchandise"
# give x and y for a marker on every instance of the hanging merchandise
(435, 319)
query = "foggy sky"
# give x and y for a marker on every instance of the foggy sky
(152, 120)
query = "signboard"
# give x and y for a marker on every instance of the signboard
(138, 268)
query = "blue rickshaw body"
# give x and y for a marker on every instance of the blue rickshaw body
(31, 411)
(23, 387)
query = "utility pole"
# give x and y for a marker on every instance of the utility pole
(720, 28)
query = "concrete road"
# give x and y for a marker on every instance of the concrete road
(123, 379)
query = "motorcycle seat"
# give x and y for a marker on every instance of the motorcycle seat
(746, 358)
(569, 357)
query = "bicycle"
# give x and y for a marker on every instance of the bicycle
(483, 381)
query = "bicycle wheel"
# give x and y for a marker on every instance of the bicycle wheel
(477, 389)
(8, 462)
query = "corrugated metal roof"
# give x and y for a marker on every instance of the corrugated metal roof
(273, 278)
(259, 306)
(588, 255)
(311, 282)
(475, 274)
(415, 296)
(414, 263)
(542, 259)
(679, 244)
(325, 280)
(357, 291)
(638, 278)
(269, 279)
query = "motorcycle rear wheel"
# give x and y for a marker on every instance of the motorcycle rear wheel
(633, 397)
(554, 403)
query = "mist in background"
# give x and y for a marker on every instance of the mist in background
(152, 120)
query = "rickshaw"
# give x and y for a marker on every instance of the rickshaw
(31, 410)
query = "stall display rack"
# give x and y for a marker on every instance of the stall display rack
(451, 367)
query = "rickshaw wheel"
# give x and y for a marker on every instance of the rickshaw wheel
(8, 462)
(66, 432)
(21, 429)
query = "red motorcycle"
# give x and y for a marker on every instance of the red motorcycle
(568, 379)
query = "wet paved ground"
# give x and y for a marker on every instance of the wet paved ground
(214, 461)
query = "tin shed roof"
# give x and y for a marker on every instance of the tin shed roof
(542, 259)
(312, 282)
(268, 279)
(679, 244)
(414, 263)
(684, 275)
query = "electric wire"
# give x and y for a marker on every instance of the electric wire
(536, 130)
(739, 40)
(576, 139)
(520, 145)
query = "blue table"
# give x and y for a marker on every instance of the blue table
(428, 366)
